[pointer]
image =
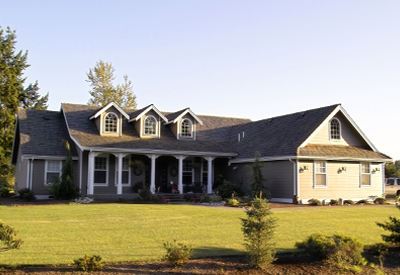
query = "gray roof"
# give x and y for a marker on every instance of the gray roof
(41, 133)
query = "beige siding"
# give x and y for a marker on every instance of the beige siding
(345, 185)
(349, 135)
(278, 177)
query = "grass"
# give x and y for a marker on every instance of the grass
(57, 234)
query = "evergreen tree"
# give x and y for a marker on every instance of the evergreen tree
(103, 91)
(258, 230)
(393, 226)
(257, 186)
(31, 99)
(8, 238)
(12, 92)
(67, 189)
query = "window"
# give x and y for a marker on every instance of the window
(204, 176)
(111, 123)
(365, 177)
(100, 170)
(126, 171)
(187, 173)
(186, 128)
(334, 129)
(53, 171)
(320, 173)
(150, 126)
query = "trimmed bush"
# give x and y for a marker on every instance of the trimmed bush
(232, 202)
(334, 202)
(177, 253)
(314, 202)
(26, 194)
(380, 201)
(6, 191)
(226, 189)
(258, 230)
(89, 263)
(339, 251)
(348, 202)
(8, 238)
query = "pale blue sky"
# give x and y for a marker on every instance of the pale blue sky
(253, 59)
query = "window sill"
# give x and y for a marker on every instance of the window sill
(320, 187)
(100, 184)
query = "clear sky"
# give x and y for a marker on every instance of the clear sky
(253, 59)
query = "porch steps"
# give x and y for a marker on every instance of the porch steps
(172, 198)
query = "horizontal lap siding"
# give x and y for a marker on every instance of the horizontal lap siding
(345, 185)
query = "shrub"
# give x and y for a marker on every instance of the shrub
(8, 238)
(334, 202)
(393, 226)
(362, 202)
(205, 198)
(340, 251)
(226, 189)
(233, 202)
(177, 253)
(314, 202)
(380, 201)
(26, 194)
(6, 191)
(89, 263)
(147, 196)
(258, 230)
(348, 202)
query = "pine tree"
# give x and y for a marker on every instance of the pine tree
(103, 91)
(12, 66)
(67, 188)
(258, 230)
(31, 99)
(393, 226)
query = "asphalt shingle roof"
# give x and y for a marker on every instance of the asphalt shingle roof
(339, 151)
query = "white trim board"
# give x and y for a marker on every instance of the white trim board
(150, 107)
(187, 110)
(105, 108)
(281, 200)
(277, 158)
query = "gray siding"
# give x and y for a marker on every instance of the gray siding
(21, 170)
(278, 177)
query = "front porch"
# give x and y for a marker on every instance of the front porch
(125, 174)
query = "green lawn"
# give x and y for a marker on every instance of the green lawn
(55, 234)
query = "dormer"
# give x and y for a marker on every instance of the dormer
(109, 120)
(147, 121)
(184, 124)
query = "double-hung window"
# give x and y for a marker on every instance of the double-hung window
(365, 175)
(100, 171)
(53, 171)
(187, 173)
(320, 174)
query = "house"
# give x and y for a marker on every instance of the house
(319, 153)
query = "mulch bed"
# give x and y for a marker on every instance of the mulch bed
(217, 265)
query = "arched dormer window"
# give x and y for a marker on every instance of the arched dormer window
(186, 128)
(150, 126)
(111, 123)
(334, 129)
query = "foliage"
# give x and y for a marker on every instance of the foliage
(31, 99)
(334, 202)
(226, 189)
(393, 226)
(8, 238)
(363, 202)
(177, 253)
(12, 66)
(26, 194)
(258, 230)
(257, 186)
(6, 191)
(233, 202)
(392, 169)
(89, 263)
(314, 202)
(68, 190)
(340, 251)
(103, 91)
(348, 202)
(380, 201)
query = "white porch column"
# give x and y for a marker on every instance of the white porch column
(153, 173)
(209, 174)
(180, 173)
(120, 158)
(90, 179)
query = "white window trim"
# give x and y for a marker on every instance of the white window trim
(144, 127)
(191, 131)
(340, 130)
(107, 170)
(361, 173)
(187, 171)
(315, 175)
(116, 173)
(46, 170)
(103, 125)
